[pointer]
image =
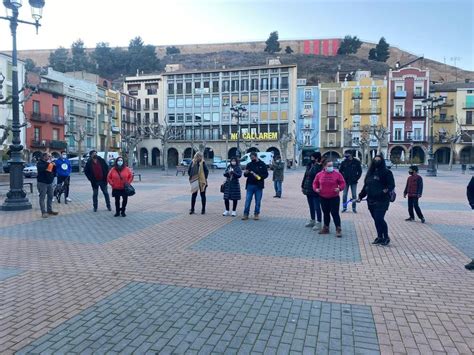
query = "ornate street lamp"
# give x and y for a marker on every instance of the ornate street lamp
(16, 198)
(238, 111)
(432, 104)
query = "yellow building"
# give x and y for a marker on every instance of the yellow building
(114, 120)
(364, 109)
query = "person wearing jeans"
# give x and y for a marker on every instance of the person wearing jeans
(278, 168)
(312, 169)
(45, 178)
(351, 169)
(198, 173)
(63, 172)
(328, 184)
(414, 190)
(256, 172)
(96, 171)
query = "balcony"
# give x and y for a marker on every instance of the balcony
(55, 119)
(332, 114)
(331, 144)
(332, 100)
(419, 95)
(366, 111)
(469, 106)
(307, 112)
(146, 107)
(419, 114)
(155, 107)
(43, 143)
(42, 117)
(374, 95)
(332, 128)
(58, 144)
(357, 95)
(80, 111)
(399, 114)
(448, 102)
(151, 91)
(400, 94)
(115, 129)
(90, 130)
(36, 116)
(442, 119)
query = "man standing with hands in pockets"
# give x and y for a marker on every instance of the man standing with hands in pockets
(256, 172)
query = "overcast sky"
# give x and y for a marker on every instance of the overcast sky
(438, 29)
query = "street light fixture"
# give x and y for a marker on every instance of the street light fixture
(238, 111)
(16, 198)
(432, 104)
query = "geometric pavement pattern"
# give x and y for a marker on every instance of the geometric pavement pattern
(282, 237)
(143, 317)
(461, 237)
(6, 273)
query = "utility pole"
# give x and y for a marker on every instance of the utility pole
(455, 60)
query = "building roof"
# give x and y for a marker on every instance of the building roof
(218, 70)
(451, 86)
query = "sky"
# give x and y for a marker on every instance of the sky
(438, 29)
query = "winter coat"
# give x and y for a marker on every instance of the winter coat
(414, 186)
(470, 193)
(232, 185)
(374, 184)
(327, 183)
(278, 171)
(351, 169)
(307, 183)
(259, 168)
(89, 171)
(114, 180)
(46, 172)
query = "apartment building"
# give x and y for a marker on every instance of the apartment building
(331, 100)
(128, 104)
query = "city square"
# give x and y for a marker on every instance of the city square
(162, 281)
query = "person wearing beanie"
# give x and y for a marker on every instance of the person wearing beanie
(414, 190)
(314, 203)
(96, 171)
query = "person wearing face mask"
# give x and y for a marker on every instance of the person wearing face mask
(96, 171)
(232, 187)
(44, 183)
(378, 184)
(198, 173)
(63, 171)
(351, 169)
(117, 177)
(312, 169)
(414, 190)
(278, 168)
(256, 172)
(328, 184)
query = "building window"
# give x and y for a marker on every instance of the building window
(399, 110)
(189, 118)
(171, 119)
(274, 83)
(264, 84)
(206, 117)
(37, 134)
(244, 85)
(179, 118)
(197, 86)
(179, 102)
(36, 107)
(55, 134)
(307, 95)
(274, 99)
(206, 86)
(139, 118)
(197, 102)
(419, 91)
(418, 110)
(189, 88)
(171, 103)
(179, 88)
(55, 111)
(469, 117)
(155, 117)
(308, 106)
(215, 86)
(284, 83)
(398, 87)
(307, 139)
(398, 134)
(89, 143)
(417, 136)
(274, 115)
(225, 86)
(254, 85)
(235, 85)
(215, 101)
(332, 110)
(215, 117)
(225, 101)
(147, 117)
(197, 117)
(254, 99)
(155, 103)
(206, 101)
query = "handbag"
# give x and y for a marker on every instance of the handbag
(392, 195)
(128, 188)
(223, 186)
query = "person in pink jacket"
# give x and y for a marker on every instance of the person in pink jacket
(329, 184)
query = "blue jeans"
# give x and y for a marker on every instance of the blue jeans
(314, 204)
(251, 191)
(278, 187)
(354, 195)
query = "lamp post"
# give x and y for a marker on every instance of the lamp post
(432, 104)
(238, 111)
(16, 198)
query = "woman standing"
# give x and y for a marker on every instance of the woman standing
(118, 176)
(312, 169)
(198, 173)
(232, 186)
(328, 184)
(378, 185)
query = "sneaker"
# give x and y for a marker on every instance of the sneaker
(226, 213)
(68, 199)
(409, 219)
(385, 242)
(377, 241)
(245, 217)
(423, 220)
(53, 213)
(317, 226)
(256, 217)
(311, 223)
(338, 232)
(44, 215)
(234, 214)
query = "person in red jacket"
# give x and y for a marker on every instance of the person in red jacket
(329, 184)
(414, 190)
(117, 177)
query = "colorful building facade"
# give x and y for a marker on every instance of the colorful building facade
(331, 120)
(327, 47)
(307, 122)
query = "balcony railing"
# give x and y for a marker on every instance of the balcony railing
(357, 95)
(468, 106)
(43, 143)
(438, 119)
(90, 130)
(332, 113)
(43, 117)
(401, 94)
(146, 107)
(332, 100)
(449, 102)
(418, 95)
(419, 114)
(36, 116)
(332, 128)
(399, 114)
(331, 144)
(80, 111)
(155, 107)
(374, 95)
(58, 144)
(366, 111)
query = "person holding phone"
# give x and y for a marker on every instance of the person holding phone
(256, 172)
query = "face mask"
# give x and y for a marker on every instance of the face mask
(347, 157)
(377, 162)
(64, 156)
(119, 163)
(233, 163)
(330, 169)
(410, 172)
(278, 161)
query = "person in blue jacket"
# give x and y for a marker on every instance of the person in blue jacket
(63, 172)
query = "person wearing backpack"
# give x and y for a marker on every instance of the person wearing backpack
(379, 186)
(117, 177)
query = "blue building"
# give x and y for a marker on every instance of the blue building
(307, 121)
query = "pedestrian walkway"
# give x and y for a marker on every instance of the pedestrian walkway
(162, 281)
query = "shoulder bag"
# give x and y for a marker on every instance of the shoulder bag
(129, 189)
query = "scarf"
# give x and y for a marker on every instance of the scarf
(198, 178)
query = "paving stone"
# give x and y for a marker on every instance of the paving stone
(6, 273)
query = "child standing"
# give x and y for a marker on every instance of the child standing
(414, 190)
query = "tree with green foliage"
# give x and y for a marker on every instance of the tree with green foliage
(142, 57)
(172, 50)
(80, 59)
(381, 51)
(59, 59)
(349, 45)
(102, 61)
(273, 45)
(288, 50)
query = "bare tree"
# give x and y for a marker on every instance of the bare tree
(284, 141)
(78, 134)
(452, 138)
(380, 133)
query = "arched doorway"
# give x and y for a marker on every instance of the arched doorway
(155, 157)
(417, 155)
(232, 153)
(397, 155)
(208, 154)
(331, 155)
(467, 155)
(274, 150)
(252, 149)
(143, 156)
(188, 154)
(442, 155)
(173, 157)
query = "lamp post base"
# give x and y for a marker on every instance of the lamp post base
(16, 205)
(16, 198)
(431, 171)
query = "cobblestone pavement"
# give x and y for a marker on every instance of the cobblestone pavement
(162, 281)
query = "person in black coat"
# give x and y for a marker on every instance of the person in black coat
(312, 169)
(470, 199)
(96, 171)
(256, 172)
(378, 185)
(232, 187)
(198, 173)
(351, 169)
(44, 183)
